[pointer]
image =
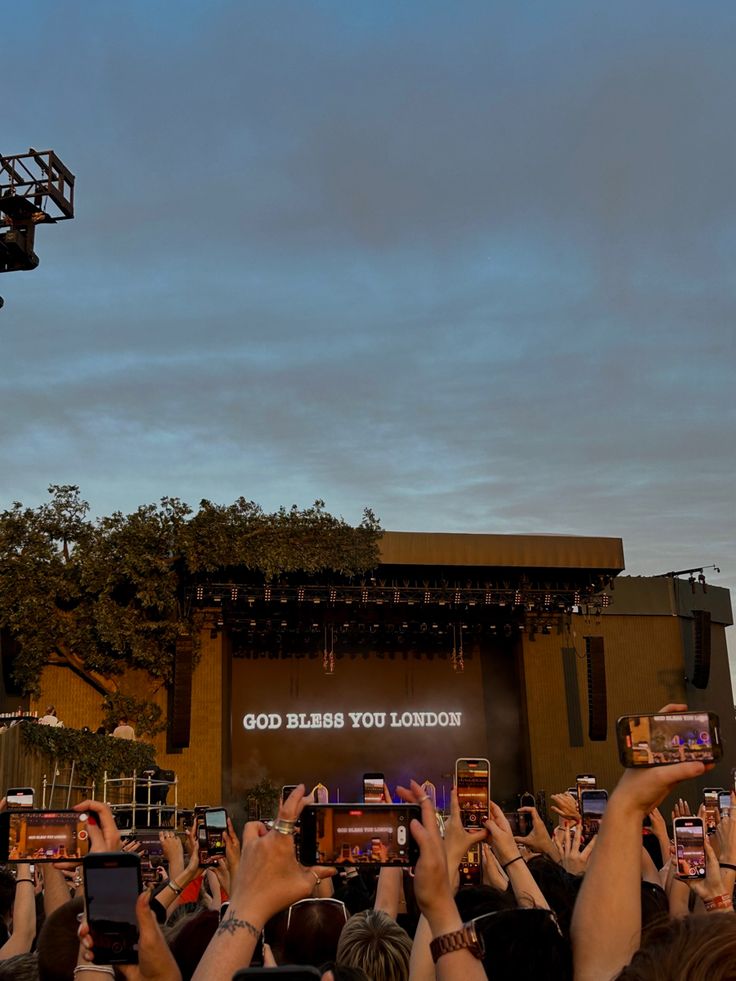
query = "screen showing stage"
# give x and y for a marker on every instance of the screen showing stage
(292, 723)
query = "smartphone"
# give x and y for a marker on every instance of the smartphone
(520, 822)
(724, 803)
(44, 836)
(112, 885)
(527, 799)
(584, 781)
(473, 783)
(471, 867)
(592, 807)
(656, 740)
(152, 874)
(19, 797)
(287, 789)
(710, 808)
(210, 833)
(373, 788)
(690, 847)
(358, 834)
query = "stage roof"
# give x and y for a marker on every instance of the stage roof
(502, 551)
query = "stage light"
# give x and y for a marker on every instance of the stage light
(200, 593)
(234, 593)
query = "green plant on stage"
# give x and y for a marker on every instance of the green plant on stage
(145, 717)
(91, 754)
(262, 800)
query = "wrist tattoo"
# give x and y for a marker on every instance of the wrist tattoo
(231, 923)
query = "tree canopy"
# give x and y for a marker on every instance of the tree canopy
(109, 594)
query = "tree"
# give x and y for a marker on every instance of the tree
(110, 594)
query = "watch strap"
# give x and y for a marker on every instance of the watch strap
(463, 939)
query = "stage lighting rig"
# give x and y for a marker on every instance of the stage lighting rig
(35, 189)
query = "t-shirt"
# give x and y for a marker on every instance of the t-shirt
(50, 720)
(124, 732)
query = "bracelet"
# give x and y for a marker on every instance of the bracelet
(519, 858)
(26, 880)
(174, 887)
(727, 865)
(100, 968)
(718, 902)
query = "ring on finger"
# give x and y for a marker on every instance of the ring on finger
(284, 827)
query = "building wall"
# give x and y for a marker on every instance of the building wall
(644, 638)
(198, 768)
(645, 670)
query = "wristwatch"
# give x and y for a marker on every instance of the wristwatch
(463, 939)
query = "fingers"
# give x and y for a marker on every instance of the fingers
(290, 809)
(268, 959)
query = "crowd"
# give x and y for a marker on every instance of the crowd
(551, 906)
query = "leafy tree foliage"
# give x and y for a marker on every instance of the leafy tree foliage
(110, 594)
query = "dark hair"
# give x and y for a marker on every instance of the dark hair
(314, 928)
(701, 947)
(189, 941)
(341, 972)
(559, 887)
(58, 944)
(7, 892)
(525, 943)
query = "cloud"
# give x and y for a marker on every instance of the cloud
(469, 264)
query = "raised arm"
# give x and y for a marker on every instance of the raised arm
(606, 923)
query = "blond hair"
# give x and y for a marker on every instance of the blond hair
(373, 941)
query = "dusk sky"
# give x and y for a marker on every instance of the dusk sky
(468, 264)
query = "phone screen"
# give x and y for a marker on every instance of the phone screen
(651, 740)
(724, 803)
(584, 781)
(473, 781)
(372, 788)
(354, 834)
(210, 835)
(519, 821)
(47, 836)
(592, 807)
(690, 848)
(471, 867)
(111, 894)
(19, 797)
(710, 800)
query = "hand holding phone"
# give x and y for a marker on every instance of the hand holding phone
(112, 885)
(669, 737)
(473, 783)
(689, 848)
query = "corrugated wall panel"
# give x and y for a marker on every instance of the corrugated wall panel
(644, 671)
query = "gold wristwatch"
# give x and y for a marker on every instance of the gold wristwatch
(463, 939)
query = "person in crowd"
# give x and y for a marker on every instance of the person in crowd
(50, 718)
(550, 907)
(124, 730)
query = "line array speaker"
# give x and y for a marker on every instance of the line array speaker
(180, 706)
(701, 648)
(597, 702)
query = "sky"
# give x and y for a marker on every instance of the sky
(470, 264)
